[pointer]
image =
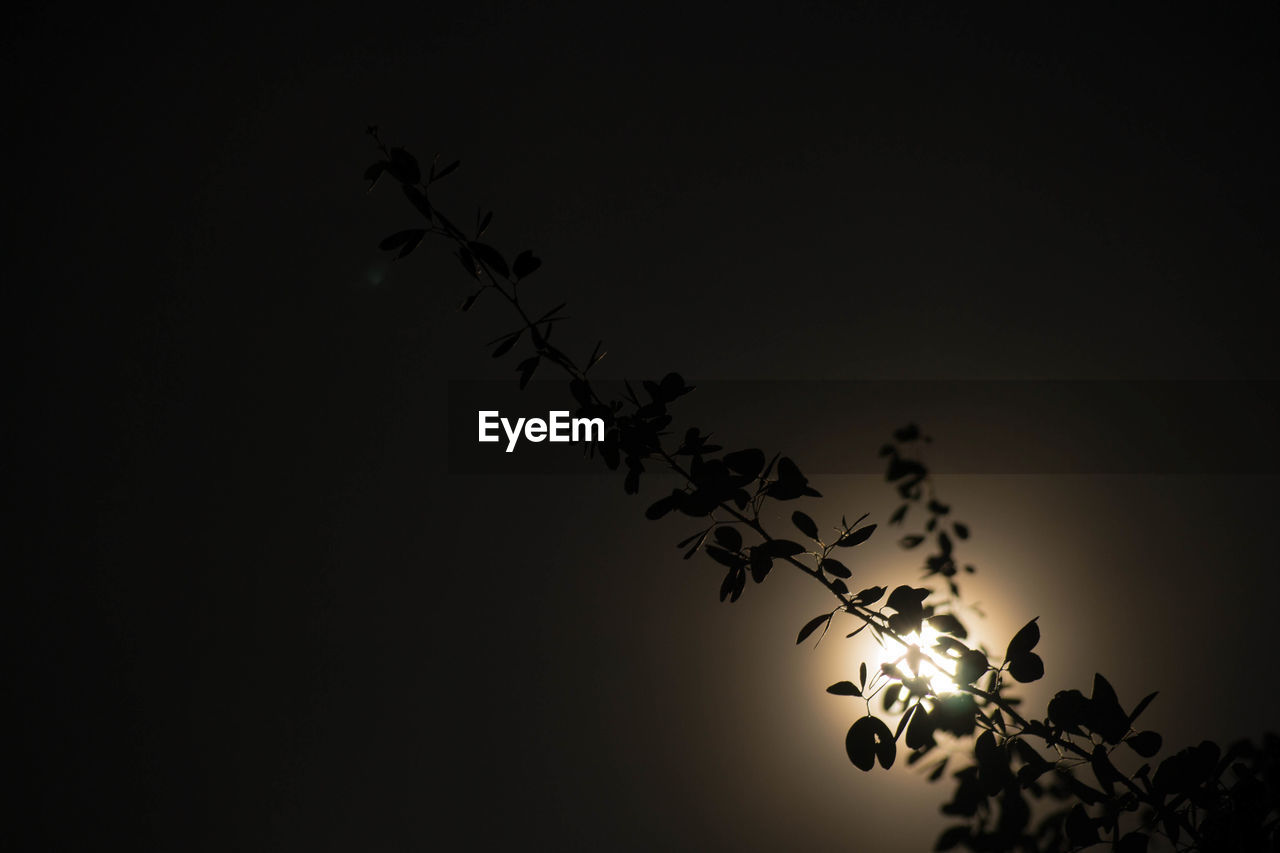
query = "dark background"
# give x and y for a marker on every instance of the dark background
(255, 609)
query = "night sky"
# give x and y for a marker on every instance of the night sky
(260, 605)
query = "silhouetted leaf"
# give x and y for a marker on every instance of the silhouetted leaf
(1023, 641)
(471, 300)
(746, 463)
(844, 688)
(702, 537)
(1142, 706)
(505, 346)
(490, 257)
(907, 598)
(446, 171)
(723, 557)
(780, 548)
(899, 514)
(961, 530)
(839, 588)
(945, 623)
(856, 537)
(1145, 743)
(1133, 842)
(468, 262)
(1108, 718)
(404, 167)
(729, 538)
(904, 719)
(811, 626)
(920, 731)
(956, 713)
(910, 432)
(790, 483)
(662, 506)
(870, 595)
(952, 837)
(869, 740)
(971, 666)
(527, 368)
(525, 264)
(835, 568)
(1069, 709)
(1027, 668)
(911, 541)
(805, 524)
(411, 236)
(761, 564)
(1080, 828)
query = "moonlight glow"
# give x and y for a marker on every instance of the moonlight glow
(931, 663)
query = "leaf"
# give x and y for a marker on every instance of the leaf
(904, 719)
(946, 623)
(835, 568)
(1023, 641)
(525, 264)
(723, 557)
(746, 463)
(862, 673)
(856, 537)
(781, 548)
(490, 257)
(971, 666)
(805, 524)
(910, 432)
(1080, 828)
(404, 166)
(526, 368)
(907, 598)
(869, 740)
(844, 688)
(1109, 718)
(662, 506)
(953, 837)
(1145, 743)
(899, 514)
(696, 545)
(761, 565)
(401, 238)
(374, 172)
(1027, 668)
(445, 172)
(468, 262)
(811, 626)
(920, 732)
(1142, 706)
(870, 595)
(961, 530)
(1133, 842)
(839, 588)
(420, 203)
(471, 300)
(910, 541)
(506, 345)
(729, 538)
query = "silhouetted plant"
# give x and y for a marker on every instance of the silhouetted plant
(1201, 798)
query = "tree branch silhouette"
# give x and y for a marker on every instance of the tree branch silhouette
(1187, 801)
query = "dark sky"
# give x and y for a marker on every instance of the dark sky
(257, 608)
